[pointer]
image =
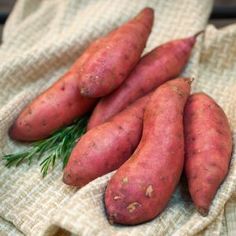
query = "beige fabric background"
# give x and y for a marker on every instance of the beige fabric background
(41, 40)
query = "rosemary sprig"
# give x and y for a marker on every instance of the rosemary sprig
(57, 146)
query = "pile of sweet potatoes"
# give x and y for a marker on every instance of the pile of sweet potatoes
(143, 122)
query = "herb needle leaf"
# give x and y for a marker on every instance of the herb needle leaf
(58, 146)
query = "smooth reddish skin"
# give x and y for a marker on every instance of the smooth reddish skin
(58, 106)
(115, 56)
(156, 67)
(106, 147)
(208, 144)
(55, 107)
(143, 185)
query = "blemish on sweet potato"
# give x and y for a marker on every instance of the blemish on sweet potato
(29, 111)
(149, 191)
(63, 87)
(125, 180)
(132, 206)
(164, 178)
(117, 198)
(44, 123)
(111, 218)
(178, 91)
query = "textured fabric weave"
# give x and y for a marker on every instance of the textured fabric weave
(41, 40)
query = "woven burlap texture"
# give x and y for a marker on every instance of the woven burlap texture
(40, 41)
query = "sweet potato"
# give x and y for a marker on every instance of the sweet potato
(114, 56)
(107, 146)
(62, 102)
(56, 107)
(59, 105)
(208, 147)
(142, 186)
(161, 64)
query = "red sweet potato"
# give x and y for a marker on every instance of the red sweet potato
(161, 64)
(208, 147)
(62, 102)
(107, 146)
(58, 106)
(114, 56)
(143, 185)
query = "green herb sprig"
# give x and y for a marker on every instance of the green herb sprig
(56, 147)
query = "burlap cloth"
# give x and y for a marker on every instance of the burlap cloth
(41, 39)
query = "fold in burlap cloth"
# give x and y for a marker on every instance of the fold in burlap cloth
(41, 40)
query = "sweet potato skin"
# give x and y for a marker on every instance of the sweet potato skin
(58, 106)
(106, 147)
(156, 67)
(62, 102)
(208, 147)
(115, 56)
(142, 186)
